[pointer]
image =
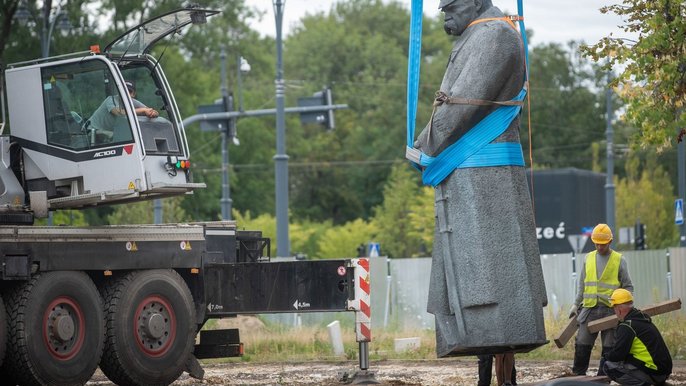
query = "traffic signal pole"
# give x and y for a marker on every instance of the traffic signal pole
(280, 158)
(226, 201)
(609, 182)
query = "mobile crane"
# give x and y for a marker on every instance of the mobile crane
(129, 299)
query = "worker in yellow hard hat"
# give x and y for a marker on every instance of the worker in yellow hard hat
(639, 355)
(603, 271)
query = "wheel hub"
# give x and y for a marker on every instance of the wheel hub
(63, 328)
(63, 331)
(155, 326)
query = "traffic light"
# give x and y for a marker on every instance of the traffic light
(222, 105)
(640, 240)
(323, 117)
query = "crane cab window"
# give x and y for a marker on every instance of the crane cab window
(158, 130)
(83, 107)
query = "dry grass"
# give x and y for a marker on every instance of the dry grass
(276, 342)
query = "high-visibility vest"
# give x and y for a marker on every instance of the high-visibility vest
(639, 350)
(600, 290)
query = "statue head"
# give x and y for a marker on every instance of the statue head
(459, 13)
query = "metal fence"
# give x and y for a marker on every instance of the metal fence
(400, 287)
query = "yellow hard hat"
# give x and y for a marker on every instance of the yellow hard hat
(602, 234)
(620, 296)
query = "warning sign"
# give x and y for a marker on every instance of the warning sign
(131, 246)
(185, 245)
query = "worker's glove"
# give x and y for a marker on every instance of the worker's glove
(574, 311)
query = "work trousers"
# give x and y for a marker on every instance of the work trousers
(586, 338)
(630, 375)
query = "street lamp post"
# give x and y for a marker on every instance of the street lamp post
(48, 21)
(609, 181)
(226, 192)
(281, 158)
(229, 133)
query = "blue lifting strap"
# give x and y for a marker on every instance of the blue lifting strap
(413, 64)
(474, 148)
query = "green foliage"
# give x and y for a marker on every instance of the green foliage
(398, 234)
(305, 237)
(143, 212)
(653, 81)
(566, 113)
(422, 218)
(264, 222)
(359, 49)
(342, 241)
(646, 195)
(65, 217)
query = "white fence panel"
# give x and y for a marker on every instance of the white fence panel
(400, 287)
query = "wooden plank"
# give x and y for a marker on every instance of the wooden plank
(567, 333)
(655, 309)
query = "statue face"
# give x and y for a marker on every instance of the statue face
(458, 15)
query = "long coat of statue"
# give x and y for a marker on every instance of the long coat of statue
(487, 289)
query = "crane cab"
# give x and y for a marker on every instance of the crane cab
(77, 139)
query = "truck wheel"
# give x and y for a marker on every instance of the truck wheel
(3, 331)
(150, 318)
(55, 329)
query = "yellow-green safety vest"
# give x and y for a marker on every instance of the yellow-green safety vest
(600, 290)
(640, 351)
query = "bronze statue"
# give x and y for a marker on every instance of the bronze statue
(487, 289)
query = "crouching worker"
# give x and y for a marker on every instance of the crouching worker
(639, 355)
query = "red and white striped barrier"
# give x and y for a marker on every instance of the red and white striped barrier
(362, 302)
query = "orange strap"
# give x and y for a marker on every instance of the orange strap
(508, 19)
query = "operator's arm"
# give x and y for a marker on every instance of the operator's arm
(143, 110)
(624, 278)
(624, 336)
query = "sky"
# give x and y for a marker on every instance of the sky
(551, 20)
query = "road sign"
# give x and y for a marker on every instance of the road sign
(679, 211)
(374, 250)
(577, 242)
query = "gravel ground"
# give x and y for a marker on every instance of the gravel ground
(417, 372)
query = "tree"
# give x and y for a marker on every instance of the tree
(65, 217)
(567, 108)
(142, 212)
(393, 217)
(341, 241)
(359, 48)
(422, 220)
(645, 195)
(653, 81)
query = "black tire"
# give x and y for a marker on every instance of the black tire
(3, 331)
(150, 321)
(55, 330)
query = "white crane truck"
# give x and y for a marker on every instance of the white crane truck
(129, 299)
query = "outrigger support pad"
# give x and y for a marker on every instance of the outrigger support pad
(364, 376)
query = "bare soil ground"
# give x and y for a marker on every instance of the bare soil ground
(416, 372)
